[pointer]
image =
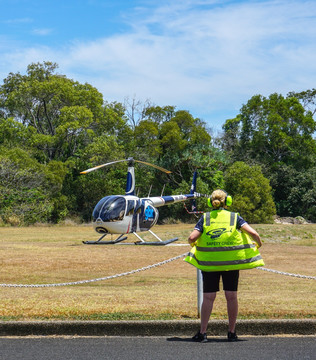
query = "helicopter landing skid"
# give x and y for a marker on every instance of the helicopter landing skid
(156, 243)
(99, 242)
(140, 242)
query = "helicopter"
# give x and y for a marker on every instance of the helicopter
(124, 214)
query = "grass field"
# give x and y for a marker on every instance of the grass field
(55, 254)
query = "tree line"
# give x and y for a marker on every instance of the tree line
(52, 127)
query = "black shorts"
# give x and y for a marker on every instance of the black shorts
(211, 280)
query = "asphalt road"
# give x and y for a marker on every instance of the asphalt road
(154, 348)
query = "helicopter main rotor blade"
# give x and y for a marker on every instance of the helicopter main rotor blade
(130, 160)
(154, 166)
(101, 166)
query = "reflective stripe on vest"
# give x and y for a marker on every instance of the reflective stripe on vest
(227, 248)
(207, 217)
(230, 262)
(222, 247)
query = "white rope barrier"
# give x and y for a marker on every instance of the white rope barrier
(94, 280)
(136, 271)
(287, 274)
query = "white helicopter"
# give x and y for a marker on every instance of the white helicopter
(124, 214)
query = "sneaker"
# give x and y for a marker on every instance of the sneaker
(198, 337)
(231, 336)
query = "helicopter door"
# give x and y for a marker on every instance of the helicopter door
(148, 217)
(130, 207)
(129, 215)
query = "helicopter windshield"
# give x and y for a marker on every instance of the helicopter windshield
(110, 208)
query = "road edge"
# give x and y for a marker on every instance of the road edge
(155, 328)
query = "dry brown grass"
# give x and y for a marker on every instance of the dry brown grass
(56, 254)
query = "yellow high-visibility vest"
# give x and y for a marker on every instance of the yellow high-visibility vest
(222, 247)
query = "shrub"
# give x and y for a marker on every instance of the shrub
(251, 191)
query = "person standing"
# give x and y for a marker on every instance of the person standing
(222, 244)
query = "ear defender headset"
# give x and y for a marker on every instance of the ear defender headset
(228, 200)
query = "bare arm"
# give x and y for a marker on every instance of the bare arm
(253, 233)
(195, 234)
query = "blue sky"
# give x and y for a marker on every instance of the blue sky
(206, 56)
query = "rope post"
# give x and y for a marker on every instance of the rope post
(199, 281)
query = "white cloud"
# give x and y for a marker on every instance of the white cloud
(203, 56)
(42, 32)
(25, 20)
(228, 52)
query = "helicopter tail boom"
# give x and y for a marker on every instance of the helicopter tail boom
(158, 201)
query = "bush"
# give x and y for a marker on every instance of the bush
(251, 191)
(30, 193)
(13, 220)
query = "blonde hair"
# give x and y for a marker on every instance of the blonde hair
(218, 198)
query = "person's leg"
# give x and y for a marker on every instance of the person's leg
(206, 310)
(232, 309)
(230, 284)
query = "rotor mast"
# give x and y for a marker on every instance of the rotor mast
(130, 180)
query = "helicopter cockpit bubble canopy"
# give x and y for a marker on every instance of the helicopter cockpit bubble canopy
(110, 208)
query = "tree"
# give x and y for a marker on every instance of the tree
(272, 130)
(60, 121)
(276, 133)
(182, 137)
(295, 192)
(14, 134)
(59, 109)
(307, 98)
(158, 114)
(174, 140)
(230, 138)
(147, 139)
(135, 110)
(251, 192)
(30, 192)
